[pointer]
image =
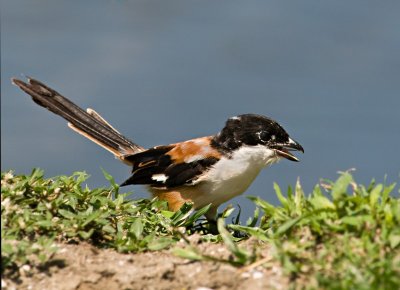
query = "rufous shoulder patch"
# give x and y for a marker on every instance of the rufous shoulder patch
(193, 150)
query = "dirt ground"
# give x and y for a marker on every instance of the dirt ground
(84, 267)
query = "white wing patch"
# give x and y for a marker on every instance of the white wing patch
(160, 177)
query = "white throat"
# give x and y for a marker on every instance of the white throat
(230, 177)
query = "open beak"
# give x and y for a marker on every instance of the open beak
(283, 150)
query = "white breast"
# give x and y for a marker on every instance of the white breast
(230, 177)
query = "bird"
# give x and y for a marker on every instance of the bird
(205, 171)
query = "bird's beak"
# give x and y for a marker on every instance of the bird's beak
(283, 150)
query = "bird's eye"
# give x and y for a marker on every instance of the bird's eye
(265, 136)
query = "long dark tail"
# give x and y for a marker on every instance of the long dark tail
(87, 123)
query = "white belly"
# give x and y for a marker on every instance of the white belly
(231, 177)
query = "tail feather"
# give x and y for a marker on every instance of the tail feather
(87, 123)
(99, 118)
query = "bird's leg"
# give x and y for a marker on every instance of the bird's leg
(211, 217)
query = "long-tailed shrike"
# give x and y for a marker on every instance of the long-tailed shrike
(205, 170)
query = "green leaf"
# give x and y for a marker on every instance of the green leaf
(227, 211)
(112, 182)
(44, 223)
(193, 218)
(226, 236)
(108, 228)
(36, 174)
(386, 192)
(137, 228)
(374, 195)
(280, 196)
(86, 235)
(228, 241)
(264, 205)
(67, 214)
(253, 221)
(167, 213)
(321, 202)
(394, 240)
(6, 247)
(317, 191)
(178, 219)
(91, 217)
(160, 243)
(298, 195)
(340, 186)
(189, 253)
(80, 177)
(357, 221)
(287, 226)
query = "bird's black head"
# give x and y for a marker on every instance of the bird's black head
(253, 130)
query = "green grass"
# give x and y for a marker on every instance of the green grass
(341, 236)
(36, 212)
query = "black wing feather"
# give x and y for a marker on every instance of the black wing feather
(186, 173)
(154, 161)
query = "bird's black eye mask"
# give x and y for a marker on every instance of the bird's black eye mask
(272, 138)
